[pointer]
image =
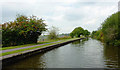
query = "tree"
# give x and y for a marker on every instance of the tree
(71, 34)
(86, 33)
(79, 31)
(53, 33)
(22, 30)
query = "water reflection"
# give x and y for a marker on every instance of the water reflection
(79, 42)
(36, 62)
(111, 56)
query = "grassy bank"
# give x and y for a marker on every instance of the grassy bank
(21, 50)
(39, 42)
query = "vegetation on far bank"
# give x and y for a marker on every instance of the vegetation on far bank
(109, 32)
(23, 30)
(79, 31)
(27, 30)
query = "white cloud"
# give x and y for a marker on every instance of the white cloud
(65, 14)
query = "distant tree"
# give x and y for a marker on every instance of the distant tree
(93, 34)
(71, 34)
(86, 33)
(79, 31)
(53, 33)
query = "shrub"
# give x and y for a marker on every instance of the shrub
(23, 30)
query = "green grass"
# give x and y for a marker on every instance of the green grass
(21, 50)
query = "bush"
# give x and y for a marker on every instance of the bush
(117, 43)
(23, 30)
(110, 31)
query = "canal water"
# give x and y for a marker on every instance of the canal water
(88, 53)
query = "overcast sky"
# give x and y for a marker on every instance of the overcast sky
(64, 14)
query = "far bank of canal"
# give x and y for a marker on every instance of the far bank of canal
(89, 53)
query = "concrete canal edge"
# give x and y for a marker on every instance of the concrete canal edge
(10, 59)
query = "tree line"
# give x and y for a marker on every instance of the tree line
(26, 30)
(109, 32)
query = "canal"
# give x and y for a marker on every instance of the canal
(88, 53)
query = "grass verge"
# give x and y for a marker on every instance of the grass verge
(21, 50)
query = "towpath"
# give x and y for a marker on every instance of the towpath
(9, 50)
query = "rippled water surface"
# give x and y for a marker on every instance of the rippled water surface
(80, 54)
